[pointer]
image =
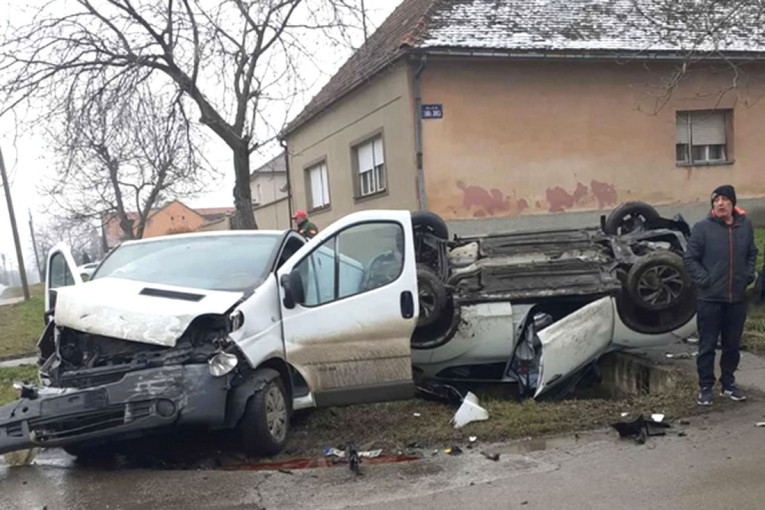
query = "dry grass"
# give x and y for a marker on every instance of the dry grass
(21, 323)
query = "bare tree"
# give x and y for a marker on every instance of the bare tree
(703, 33)
(81, 236)
(233, 58)
(123, 148)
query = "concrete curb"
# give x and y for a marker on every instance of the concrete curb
(18, 362)
(12, 357)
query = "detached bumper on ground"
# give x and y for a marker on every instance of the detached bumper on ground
(140, 402)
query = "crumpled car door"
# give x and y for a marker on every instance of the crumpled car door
(574, 341)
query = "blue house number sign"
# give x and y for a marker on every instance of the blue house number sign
(432, 111)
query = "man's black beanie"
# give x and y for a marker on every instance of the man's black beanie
(725, 190)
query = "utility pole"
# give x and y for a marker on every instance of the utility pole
(22, 271)
(34, 247)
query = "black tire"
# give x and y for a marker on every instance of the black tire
(426, 221)
(265, 422)
(658, 281)
(628, 217)
(431, 294)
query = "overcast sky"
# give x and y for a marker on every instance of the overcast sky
(27, 159)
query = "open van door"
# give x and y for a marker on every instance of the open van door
(348, 309)
(60, 271)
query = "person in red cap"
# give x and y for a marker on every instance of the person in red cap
(304, 227)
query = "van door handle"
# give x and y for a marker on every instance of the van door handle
(407, 305)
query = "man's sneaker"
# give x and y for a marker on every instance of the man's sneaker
(733, 393)
(705, 397)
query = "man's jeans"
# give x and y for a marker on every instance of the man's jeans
(724, 320)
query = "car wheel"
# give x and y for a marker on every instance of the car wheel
(658, 281)
(265, 422)
(628, 217)
(431, 294)
(426, 221)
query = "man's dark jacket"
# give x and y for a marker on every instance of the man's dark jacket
(720, 258)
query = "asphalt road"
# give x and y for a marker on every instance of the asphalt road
(717, 465)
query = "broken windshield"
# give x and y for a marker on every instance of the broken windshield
(225, 262)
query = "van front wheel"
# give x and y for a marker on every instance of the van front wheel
(266, 420)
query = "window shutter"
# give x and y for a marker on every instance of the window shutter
(681, 129)
(708, 128)
(324, 184)
(366, 162)
(378, 152)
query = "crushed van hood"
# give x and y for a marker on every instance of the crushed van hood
(137, 311)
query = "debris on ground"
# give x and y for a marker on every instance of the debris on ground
(342, 454)
(469, 411)
(454, 450)
(681, 355)
(760, 424)
(21, 457)
(638, 428)
(440, 393)
(491, 456)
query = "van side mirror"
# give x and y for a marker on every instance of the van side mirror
(293, 289)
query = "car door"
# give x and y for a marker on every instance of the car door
(61, 271)
(574, 341)
(348, 309)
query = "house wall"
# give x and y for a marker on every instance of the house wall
(274, 216)
(268, 187)
(174, 218)
(525, 138)
(384, 105)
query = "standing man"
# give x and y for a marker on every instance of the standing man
(304, 227)
(720, 260)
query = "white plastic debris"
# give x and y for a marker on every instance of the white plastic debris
(624, 414)
(760, 424)
(469, 411)
(21, 457)
(657, 417)
(417, 415)
(340, 454)
(473, 439)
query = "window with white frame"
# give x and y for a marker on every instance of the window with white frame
(371, 166)
(318, 184)
(702, 137)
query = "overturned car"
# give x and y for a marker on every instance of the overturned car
(239, 329)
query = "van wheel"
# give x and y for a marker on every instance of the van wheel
(629, 217)
(266, 419)
(426, 221)
(431, 294)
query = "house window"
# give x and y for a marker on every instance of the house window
(702, 137)
(318, 184)
(371, 165)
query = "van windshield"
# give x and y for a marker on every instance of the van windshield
(226, 262)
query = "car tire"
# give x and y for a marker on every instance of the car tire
(426, 221)
(658, 281)
(265, 422)
(628, 217)
(431, 294)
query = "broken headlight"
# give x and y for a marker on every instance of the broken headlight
(222, 363)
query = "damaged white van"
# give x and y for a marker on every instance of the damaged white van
(238, 329)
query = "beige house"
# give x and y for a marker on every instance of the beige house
(480, 109)
(269, 188)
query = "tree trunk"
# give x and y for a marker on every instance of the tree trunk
(244, 218)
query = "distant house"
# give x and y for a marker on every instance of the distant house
(270, 194)
(174, 217)
(500, 110)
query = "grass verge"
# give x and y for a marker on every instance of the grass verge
(21, 323)
(11, 374)
(393, 426)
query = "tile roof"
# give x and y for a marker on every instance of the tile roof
(595, 25)
(574, 26)
(277, 165)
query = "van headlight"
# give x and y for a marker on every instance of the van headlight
(222, 363)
